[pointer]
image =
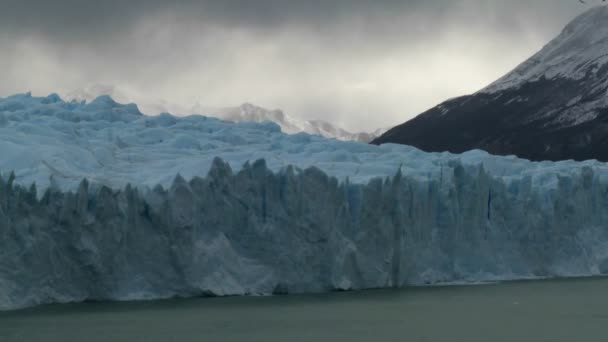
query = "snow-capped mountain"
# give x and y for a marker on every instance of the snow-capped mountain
(242, 113)
(288, 124)
(553, 106)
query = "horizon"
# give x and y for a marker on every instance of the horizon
(348, 63)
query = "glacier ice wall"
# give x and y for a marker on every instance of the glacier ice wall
(107, 217)
(257, 231)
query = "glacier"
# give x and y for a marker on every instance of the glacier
(99, 202)
(245, 112)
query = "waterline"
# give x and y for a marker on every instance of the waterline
(550, 310)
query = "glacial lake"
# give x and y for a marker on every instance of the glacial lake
(552, 310)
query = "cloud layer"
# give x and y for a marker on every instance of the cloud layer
(361, 64)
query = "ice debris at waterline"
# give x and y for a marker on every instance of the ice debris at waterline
(364, 217)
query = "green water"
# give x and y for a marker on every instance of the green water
(567, 310)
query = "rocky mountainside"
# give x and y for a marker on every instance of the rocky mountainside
(554, 106)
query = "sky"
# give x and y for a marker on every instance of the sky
(359, 64)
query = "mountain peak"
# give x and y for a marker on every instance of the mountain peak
(594, 18)
(256, 113)
(580, 50)
(111, 95)
(554, 106)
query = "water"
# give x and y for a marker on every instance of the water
(565, 310)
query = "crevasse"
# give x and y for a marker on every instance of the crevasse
(261, 232)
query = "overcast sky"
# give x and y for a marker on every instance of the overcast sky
(359, 64)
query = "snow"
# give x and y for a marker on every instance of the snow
(115, 145)
(568, 55)
(288, 124)
(244, 112)
(190, 206)
(582, 47)
(573, 64)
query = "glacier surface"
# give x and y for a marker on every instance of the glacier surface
(127, 206)
(244, 112)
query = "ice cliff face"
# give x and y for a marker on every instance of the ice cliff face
(259, 232)
(316, 215)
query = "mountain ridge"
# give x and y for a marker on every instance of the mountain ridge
(244, 112)
(553, 106)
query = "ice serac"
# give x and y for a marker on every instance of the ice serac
(551, 107)
(132, 207)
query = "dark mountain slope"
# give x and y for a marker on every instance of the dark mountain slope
(552, 107)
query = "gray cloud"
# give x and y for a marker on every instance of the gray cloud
(362, 64)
